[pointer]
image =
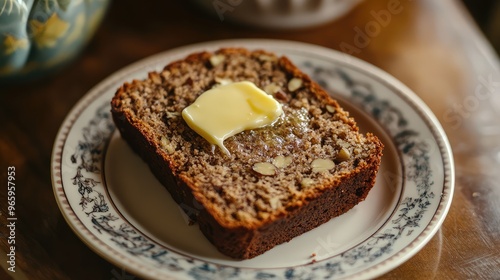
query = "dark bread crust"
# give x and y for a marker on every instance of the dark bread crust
(245, 244)
(240, 239)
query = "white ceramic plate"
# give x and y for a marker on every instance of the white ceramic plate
(116, 206)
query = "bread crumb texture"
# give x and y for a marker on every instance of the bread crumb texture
(313, 131)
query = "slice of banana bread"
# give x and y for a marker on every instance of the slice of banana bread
(278, 181)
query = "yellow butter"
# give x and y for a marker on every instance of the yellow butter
(227, 110)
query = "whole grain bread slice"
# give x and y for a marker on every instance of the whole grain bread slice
(278, 181)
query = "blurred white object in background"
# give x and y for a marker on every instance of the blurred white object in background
(278, 14)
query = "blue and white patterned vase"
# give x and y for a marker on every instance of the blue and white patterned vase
(40, 36)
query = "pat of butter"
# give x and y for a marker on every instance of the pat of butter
(227, 110)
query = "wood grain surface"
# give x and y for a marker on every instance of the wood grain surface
(431, 46)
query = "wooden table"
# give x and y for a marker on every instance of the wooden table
(431, 46)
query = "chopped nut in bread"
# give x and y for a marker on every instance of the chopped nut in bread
(276, 182)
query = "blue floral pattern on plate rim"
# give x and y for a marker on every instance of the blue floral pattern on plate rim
(77, 167)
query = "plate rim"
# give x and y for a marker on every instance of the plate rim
(380, 75)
